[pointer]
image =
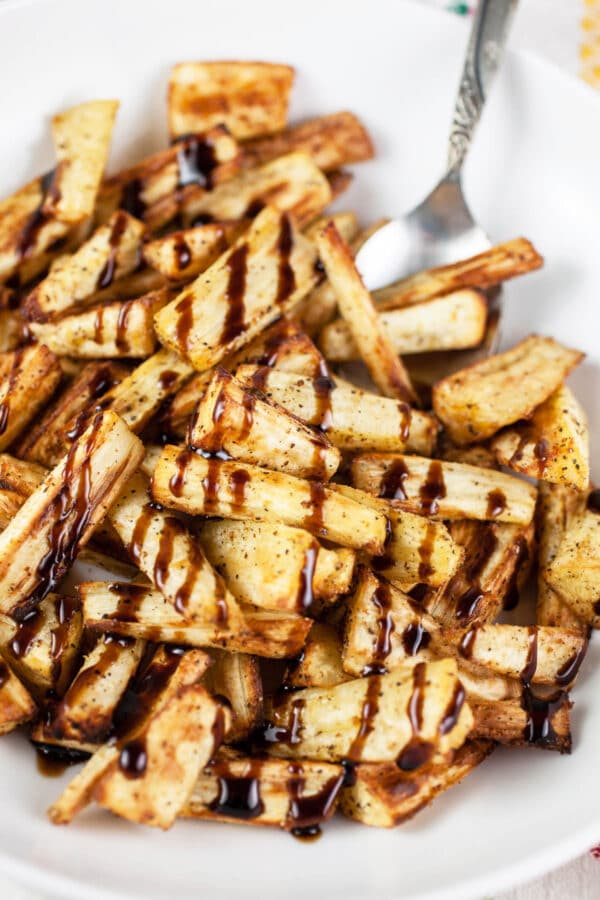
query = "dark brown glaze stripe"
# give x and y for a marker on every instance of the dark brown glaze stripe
(323, 386)
(425, 552)
(177, 480)
(305, 587)
(392, 483)
(167, 379)
(593, 501)
(415, 638)
(237, 485)
(131, 198)
(453, 710)
(568, 672)
(496, 504)
(511, 595)
(307, 811)
(417, 752)
(64, 609)
(140, 530)
(4, 673)
(74, 509)
(141, 696)
(433, 490)
(41, 215)
(382, 601)
(133, 759)
(99, 325)
(28, 630)
(286, 283)
(468, 641)
(233, 325)
(196, 161)
(530, 667)
(238, 797)
(10, 385)
(121, 341)
(314, 519)
(185, 319)
(541, 452)
(368, 715)
(181, 251)
(540, 713)
(405, 420)
(467, 603)
(107, 273)
(292, 732)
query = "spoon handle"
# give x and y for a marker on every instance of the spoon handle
(482, 60)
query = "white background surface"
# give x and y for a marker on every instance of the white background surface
(546, 27)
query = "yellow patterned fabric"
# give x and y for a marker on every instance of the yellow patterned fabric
(589, 49)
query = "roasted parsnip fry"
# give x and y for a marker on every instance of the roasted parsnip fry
(417, 549)
(134, 610)
(28, 378)
(491, 574)
(477, 401)
(156, 770)
(185, 254)
(122, 329)
(250, 98)
(39, 545)
(382, 795)
(43, 211)
(48, 440)
(273, 566)
(443, 489)
(43, 648)
(345, 222)
(111, 252)
(154, 189)
(356, 307)
(291, 183)
(497, 264)
(574, 573)
(353, 419)
(385, 630)
(28, 227)
(188, 482)
(169, 555)
(333, 141)
(535, 654)
(16, 703)
(169, 725)
(142, 281)
(320, 663)
(83, 717)
(414, 715)
(553, 445)
(232, 418)
(246, 790)
(557, 507)
(236, 676)
(454, 322)
(320, 306)
(82, 138)
(539, 719)
(139, 396)
(282, 345)
(265, 272)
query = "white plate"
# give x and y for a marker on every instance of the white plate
(534, 171)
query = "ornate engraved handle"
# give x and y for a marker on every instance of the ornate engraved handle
(484, 52)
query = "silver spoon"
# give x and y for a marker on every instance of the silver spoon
(441, 229)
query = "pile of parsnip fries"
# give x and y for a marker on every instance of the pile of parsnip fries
(306, 573)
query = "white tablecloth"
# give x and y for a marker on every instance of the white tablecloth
(552, 29)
